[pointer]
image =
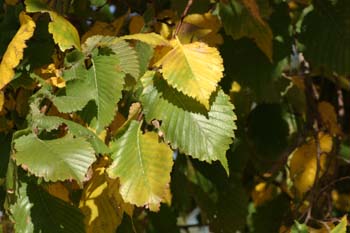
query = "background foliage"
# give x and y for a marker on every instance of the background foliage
(174, 116)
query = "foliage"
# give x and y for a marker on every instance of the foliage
(174, 116)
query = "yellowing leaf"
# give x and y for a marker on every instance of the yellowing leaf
(303, 163)
(14, 52)
(2, 100)
(329, 117)
(136, 24)
(63, 32)
(149, 38)
(194, 69)
(201, 27)
(101, 202)
(150, 162)
(341, 227)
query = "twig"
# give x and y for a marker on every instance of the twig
(187, 8)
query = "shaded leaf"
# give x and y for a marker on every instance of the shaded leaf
(328, 25)
(194, 69)
(150, 161)
(57, 159)
(50, 214)
(14, 52)
(101, 202)
(303, 163)
(242, 19)
(2, 100)
(206, 138)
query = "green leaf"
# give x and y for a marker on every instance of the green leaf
(129, 61)
(107, 87)
(78, 94)
(144, 53)
(205, 137)
(53, 122)
(341, 227)
(194, 69)
(242, 19)
(325, 33)
(150, 162)
(57, 159)
(20, 211)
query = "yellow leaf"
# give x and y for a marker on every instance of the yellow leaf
(136, 24)
(329, 117)
(194, 69)
(2, 100)
(101, 202)
(201, 27)
(303, 163)
(14, 51)
(63, 32)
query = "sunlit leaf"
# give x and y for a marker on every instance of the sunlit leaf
(14, 52)
(58, 190)
(149, 38)
(194, 69)
(107, 84)
(64, 33)
(242, 19)
(150, 161)
(57, 159)
(341, 227)
(205, 137)
(20, 212)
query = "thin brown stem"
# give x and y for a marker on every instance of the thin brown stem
(187, 8)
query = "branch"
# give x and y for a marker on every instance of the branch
(187, 8)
